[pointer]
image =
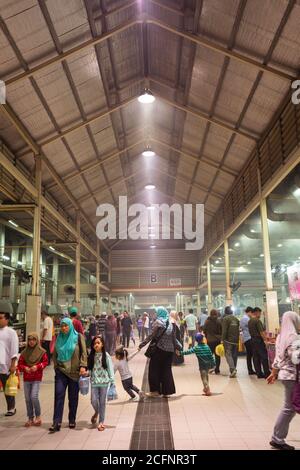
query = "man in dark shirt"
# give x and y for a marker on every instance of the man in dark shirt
(230, 339)
(258, 338)
(126, 323)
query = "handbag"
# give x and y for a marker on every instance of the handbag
(296, 393)
(152, 348)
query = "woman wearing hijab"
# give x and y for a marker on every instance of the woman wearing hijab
(160, 366)
(70, 361)
(177, 360)
(284, 368)
(32, 362)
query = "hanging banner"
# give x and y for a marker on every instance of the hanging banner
(293, 273)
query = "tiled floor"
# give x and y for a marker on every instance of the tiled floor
(239, 415)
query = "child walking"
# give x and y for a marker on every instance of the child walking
(32, 362)
(102, 375)
(205, 359)
(121, 364)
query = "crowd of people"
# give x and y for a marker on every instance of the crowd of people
(102, 350)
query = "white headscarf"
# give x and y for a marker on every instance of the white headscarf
(288, 332)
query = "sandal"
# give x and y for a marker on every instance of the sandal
(28, 423)
(101, 427)
(94, 418)
(37, 422)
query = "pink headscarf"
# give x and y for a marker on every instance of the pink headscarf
(288, 332)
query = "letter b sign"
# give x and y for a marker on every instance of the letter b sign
(153, 277)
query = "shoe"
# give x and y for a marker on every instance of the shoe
(261, 377)
(166, 396)
(283, 446)
(37, 422)
(252, 372)
(11, 413)
(233, 374)
(217, 372)
(94, 418)
(54, 428)
(72, 425)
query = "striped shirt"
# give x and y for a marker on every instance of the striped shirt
(204, 356)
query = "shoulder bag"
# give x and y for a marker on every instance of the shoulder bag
(152, 348)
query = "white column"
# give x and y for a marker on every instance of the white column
(97, 306)
(227, 274)
(209, 291)
(33, 302)
(2, 246)
(55, 280)
(271, 304)
(13, 280)
(78, 262)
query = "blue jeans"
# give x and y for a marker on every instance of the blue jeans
(31, 392)
(98, 400)
(62, 382)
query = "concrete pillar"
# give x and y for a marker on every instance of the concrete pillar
(209, 291)
(37, 229)
(13, 280)
(97, 305)
(55, 280)
(271, 301)
(227, 274)
(2, 246)
(43, 278)
(33, 302)
(78, 260)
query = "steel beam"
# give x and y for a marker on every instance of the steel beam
(16, 207)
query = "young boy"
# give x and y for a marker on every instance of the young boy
(205, 359)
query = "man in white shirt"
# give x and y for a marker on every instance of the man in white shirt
(145, 329)
(9, 349)
(46, 333)
(191, 325)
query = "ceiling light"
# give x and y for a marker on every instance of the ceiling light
(249, 262)
(150, 208)
(151, 235)
(148, 152)
(13, 223)
(279, 245)
(150, 186)
(237, 244)
(296, 192)
(252, 230)
(7, 258)
(19, 263)
(51, 248)
(152, 246)
(146, 97)
(262, 255)
(217, 262)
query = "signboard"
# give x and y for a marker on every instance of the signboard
(175, 282)
(153, 278)
(293, 273)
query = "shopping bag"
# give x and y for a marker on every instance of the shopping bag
(84, 385)
(52, 344)
(220, 351)
(11, 387)
(112, 392)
